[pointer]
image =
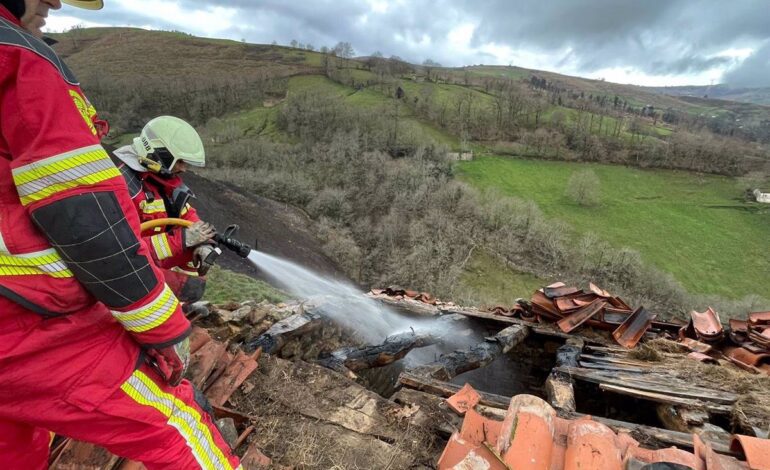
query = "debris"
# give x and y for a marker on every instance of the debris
(464, 400)
(455, 363)
(533, 436)
(275, 338)
(633, 328)
(352, 359)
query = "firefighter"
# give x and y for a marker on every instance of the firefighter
(93, 343)
(152, 166)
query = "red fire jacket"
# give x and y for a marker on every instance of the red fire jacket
(69, 234)
(153, 198)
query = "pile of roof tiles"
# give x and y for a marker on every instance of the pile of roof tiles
(532, 436)
(746, 343)
(399, 293)
(570, 307)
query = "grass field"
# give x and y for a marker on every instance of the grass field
(223, 285)
(695, 227)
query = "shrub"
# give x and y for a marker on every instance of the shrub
(583, 188)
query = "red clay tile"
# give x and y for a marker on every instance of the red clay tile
(757, 451)
(203, 361)
(700, 357)
(696, 346)
(234, 375)
(478, 429)
(591, 445)
(460, 454)
(707, 324)
(670, 455)
(568, 324)
(526, 435)
(633, 329)
(198, 338)
(465, 399)
(598, 290)
(254, 458)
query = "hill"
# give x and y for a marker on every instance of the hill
(351, 142)
(759, 96)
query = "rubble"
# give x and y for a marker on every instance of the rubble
(532, 435)
(304, 414)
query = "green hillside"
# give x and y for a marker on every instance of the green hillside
(693, 226)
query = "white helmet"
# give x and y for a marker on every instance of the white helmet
(87, 4)
(167, 139)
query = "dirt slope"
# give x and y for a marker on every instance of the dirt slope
(281, 230)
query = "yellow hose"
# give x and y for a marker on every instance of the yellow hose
(150, 224)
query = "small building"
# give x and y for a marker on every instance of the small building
(762, 197)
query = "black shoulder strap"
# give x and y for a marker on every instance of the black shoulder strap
(12, 35)
(133, 181)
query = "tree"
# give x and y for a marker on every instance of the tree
(583, 188)
(344, 49)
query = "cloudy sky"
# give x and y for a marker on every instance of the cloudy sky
(645, 42)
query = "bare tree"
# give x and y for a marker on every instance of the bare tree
(344, 49)
(583, 188)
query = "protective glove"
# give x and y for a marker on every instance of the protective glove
(198, 233)
(171, 362)
(202, 260)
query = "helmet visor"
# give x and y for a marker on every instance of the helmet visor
(87, 4)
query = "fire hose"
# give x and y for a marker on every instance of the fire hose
(225, 239)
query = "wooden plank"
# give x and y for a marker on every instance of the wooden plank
(667, 399)
(611, 367)
(614, 360)
(665, 385)
(446, 389)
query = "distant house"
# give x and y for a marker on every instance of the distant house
(462, 156)
(762, 197)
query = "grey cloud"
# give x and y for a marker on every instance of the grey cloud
(658, 37)
(753, 72)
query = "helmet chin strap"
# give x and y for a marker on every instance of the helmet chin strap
(16, 7)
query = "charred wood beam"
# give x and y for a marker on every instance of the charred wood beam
(453, 364)
(559, 386)
(272, 340)
(352, 359)
(446, 389)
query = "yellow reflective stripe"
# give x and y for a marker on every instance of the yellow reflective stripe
(152, 207)
(161, 246)
(184, 418)
(45, 178)
(46, 262)
(150, 316)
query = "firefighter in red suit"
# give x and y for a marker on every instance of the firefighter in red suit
(152, 166)
(93, 343)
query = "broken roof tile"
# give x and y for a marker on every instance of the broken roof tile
(236, 372)
(465, 399)
(553, 292)
(756, 450)
(591, 445)
(478, 429)
(700, 357)
(707, 325)
(598, 290)
(460, 454)
(633, 329)
(567, 324)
